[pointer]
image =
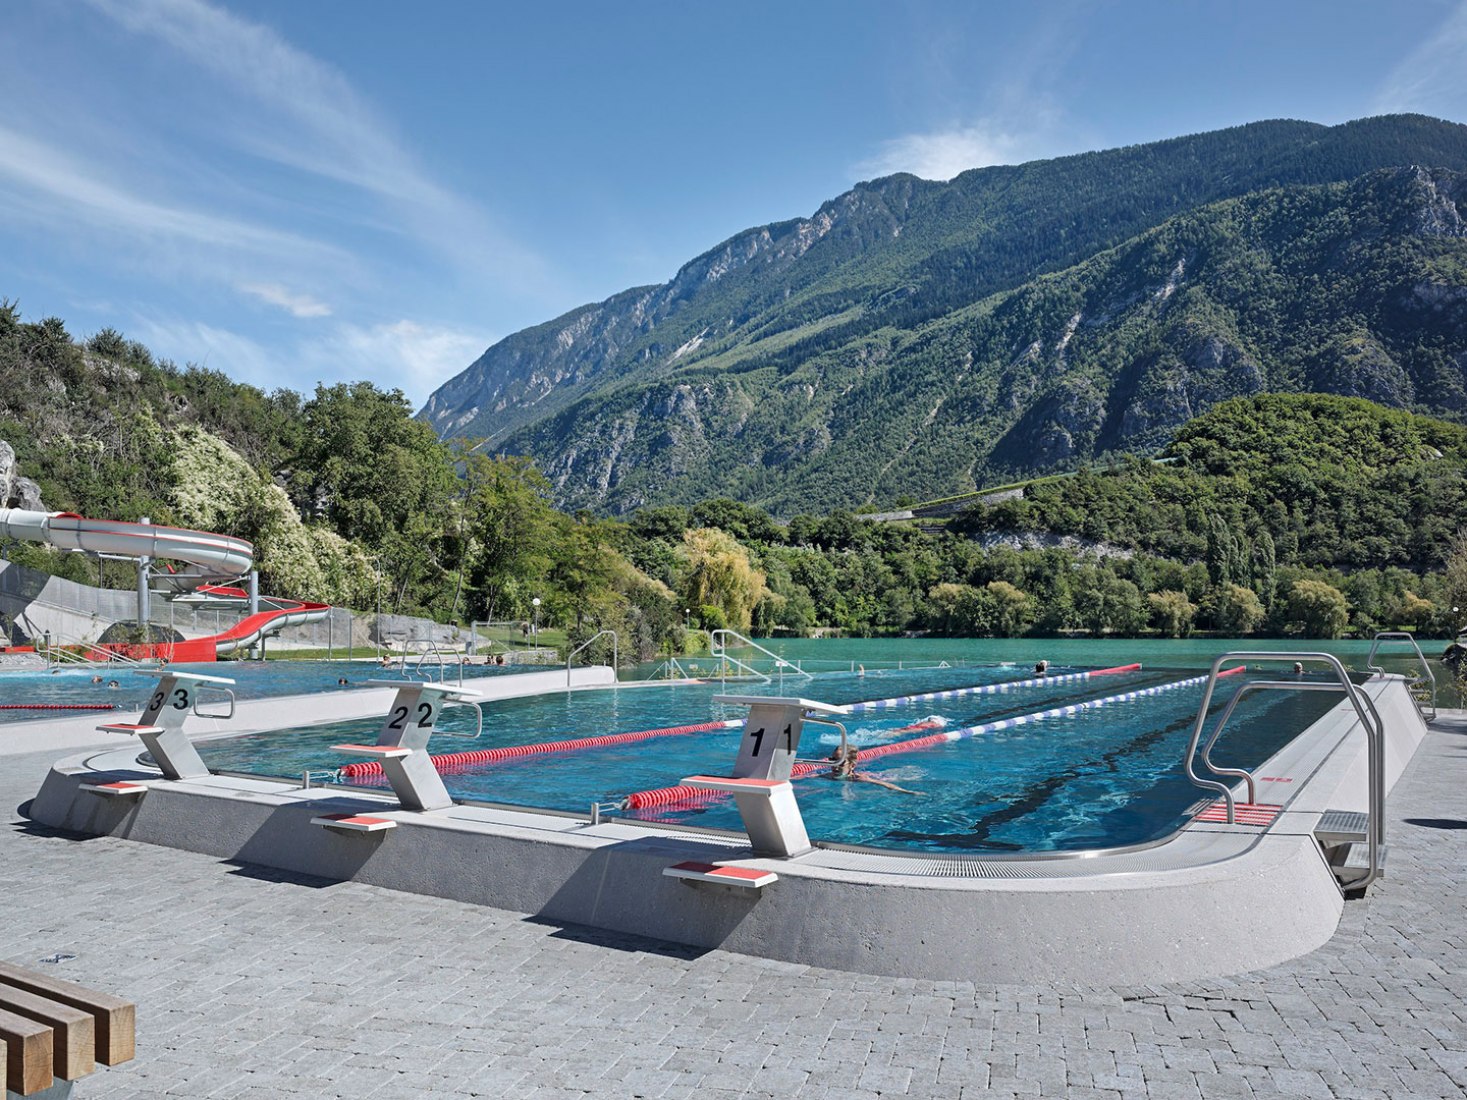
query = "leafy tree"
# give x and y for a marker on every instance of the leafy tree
(717, 573)
(1317, 609)
(1172, 613)
(1233, 610)
(1013, 609)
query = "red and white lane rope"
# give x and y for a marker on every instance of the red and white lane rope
(666, 796)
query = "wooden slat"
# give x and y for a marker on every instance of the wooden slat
(27, 1054)
(116, 1018)
(72, 1046)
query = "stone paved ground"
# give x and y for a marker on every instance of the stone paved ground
(253, 984)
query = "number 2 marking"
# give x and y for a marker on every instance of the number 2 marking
(425, 716)
(399, 718)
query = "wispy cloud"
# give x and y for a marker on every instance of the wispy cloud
(943, 154)
(412, 356)
(62, 187)
(314, 121)
(297, 305)
(1430, 78)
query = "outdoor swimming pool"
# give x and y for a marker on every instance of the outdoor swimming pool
(1102, 776)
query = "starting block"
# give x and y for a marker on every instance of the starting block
(761, 780)
(402, 742)
(116, 790)
(161, 724)
(739, 878)
(354, 823)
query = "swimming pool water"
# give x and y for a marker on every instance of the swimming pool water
(1098, 778)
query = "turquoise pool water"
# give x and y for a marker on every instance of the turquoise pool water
(1104, 776)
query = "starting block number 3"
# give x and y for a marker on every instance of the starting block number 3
(177, 697)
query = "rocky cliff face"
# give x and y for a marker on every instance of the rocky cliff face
(897, 341)
(16, 491)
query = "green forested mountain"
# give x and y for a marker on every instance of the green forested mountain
(1286, 513)
(916, 338)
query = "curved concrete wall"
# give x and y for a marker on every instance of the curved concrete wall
(1217, 900)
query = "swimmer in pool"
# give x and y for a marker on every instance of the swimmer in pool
(113, 684)
(1041, 667)
(843, 766)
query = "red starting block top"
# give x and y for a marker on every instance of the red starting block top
(730, 783)
(121, 789)
(382, 752)
(749, 878)
(129, 727)
(356, 823)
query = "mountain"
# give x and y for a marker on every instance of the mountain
(915, 338)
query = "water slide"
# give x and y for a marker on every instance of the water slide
(210, 558)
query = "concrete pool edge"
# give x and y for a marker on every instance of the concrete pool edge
(1215, 900)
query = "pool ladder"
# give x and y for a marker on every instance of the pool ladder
(1422, 686)
(1341, 834)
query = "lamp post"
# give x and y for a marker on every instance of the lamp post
(535, 627)
(687, 618)
(378, 563)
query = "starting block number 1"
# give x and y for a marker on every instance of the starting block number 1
(758, 738)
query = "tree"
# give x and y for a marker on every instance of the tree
(1013, 609)
(1172, 613)
(510, 526)
(1317, 609)
(1233, 610)
(717, 573)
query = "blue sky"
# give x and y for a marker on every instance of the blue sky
(314, 192)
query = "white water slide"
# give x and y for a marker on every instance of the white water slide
(213, 558)
(217, 557)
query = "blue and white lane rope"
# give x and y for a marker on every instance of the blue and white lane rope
(947, 736)
(991, 689)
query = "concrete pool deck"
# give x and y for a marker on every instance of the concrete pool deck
(253, 983)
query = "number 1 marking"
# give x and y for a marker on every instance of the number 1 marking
(758, 736)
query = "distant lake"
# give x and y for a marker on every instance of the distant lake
(832, 654)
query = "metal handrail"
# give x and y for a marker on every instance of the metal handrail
(478, 711)
(615, 654)
(1430, 678)
(442, 664)
(718, 647)
(1365, 711)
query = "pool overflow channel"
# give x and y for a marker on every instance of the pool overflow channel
(767, 762)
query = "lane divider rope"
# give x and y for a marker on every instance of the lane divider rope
(993, 689)
(457, 761)
(665, 796)
(454, 761)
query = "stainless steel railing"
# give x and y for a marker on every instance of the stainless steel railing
(1365, 711)
(1423, 688)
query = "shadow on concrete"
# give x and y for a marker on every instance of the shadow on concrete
(1437, 822)
(618, 941)
(260, 873)
(29, 827)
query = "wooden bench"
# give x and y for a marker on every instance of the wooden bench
(52, 1029)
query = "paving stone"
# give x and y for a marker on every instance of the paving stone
(263, 983)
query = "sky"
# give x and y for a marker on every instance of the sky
(310, 193)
